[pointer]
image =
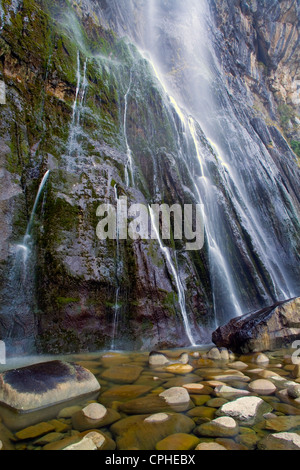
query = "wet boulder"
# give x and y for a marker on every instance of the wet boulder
(272, 328)
(31, 392)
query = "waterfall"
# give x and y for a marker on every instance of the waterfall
(116, 307)
(78, 105)
(179, 286)
(18, 309)
(248, 221)
(128, 149)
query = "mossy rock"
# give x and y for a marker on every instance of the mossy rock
(178, 442)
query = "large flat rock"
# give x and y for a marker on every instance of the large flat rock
(44, 385)
(272, 328)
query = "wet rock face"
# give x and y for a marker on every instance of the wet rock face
(272, 328)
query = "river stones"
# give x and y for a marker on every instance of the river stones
(101, 417)
(262, 387)
(46, 384)
(220, 427)
(125, 374)
(178, 442)
(143, 435)
(157, 359)
(280, 441)
(221, 354)
(246, 411)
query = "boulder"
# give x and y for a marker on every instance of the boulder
(45, 384)
(272, 328)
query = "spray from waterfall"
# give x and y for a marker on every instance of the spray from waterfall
(18, 309)
(179, 286)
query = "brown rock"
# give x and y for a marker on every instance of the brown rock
(272, 328)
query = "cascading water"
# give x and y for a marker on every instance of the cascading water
(19, 310)
(116, 307)
(179, 286)
(239, 182)
(129, 164)
(75, 127)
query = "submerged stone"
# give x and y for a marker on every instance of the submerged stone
(220, 427)
(246, 410)
(178, 442)
(81, 422)
(126, 374)
(34, 431)
(280, 441)
(211, 446)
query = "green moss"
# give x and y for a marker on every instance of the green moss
(295, 145)
(62, 301)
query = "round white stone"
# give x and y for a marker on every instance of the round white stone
(94, 411)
